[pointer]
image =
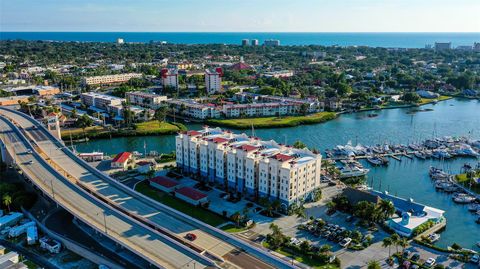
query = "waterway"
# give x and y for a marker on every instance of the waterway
(408, 178)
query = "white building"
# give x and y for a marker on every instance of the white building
(192, 109)
(169, 78)
(271, 43)
(443, 46)
(278, 74)
(249, 166)
(99, 100)
(213, 80)
(145, 99)
(110, 79)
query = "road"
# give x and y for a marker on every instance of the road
(212, 242)
(142, 240)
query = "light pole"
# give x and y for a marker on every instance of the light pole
(104, 221)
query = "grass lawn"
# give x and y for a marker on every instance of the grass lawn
(304, 259)
(193, 211)
(425, 101)
(155, 127)
(274, 122)
(144, 128)
(231, 228)
(462, 179)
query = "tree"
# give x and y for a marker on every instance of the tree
(7, 201)
(374, 265)
(276, 238)
(83, 122)
(403, 242)
(387, 242)
(161, 114)
(236, 218)
(305, 246)
(411, 97)
(395, 240)
(386, 209)
(299, 145)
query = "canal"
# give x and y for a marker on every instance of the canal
(408, 178)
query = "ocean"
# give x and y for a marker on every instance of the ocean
(388, 40)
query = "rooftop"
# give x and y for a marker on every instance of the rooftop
(164, 181)
(191, 193)
(122, 157)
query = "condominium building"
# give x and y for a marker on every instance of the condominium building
(271, 43)
(192, 109)
(443, 46)
(169, 78)
(248, 166)
(213, 80)
(110, 79)
(145, 99)
(101, 101)
(254, 42)
(260, 110)
(278, 74)
(245, 42)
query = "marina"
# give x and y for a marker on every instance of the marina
(407, 178)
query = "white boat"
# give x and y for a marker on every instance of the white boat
(463, 199)
(352, 171)
(420, 155)
(473, 207)
(433, 237)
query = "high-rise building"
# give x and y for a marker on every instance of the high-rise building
(254, 42)
(245, 42)
(271, 42)
(213, 80)
(249, 166)
(443, 46)
(476, 46)
(169, 78)
(120, 41)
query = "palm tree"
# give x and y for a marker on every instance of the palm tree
(373, 265)
(395, 240)
(236, 218)
(387, 242)
(386, 208)
(403, 243)
(7, 201)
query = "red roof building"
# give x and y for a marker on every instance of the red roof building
(241, 66)
(247, 147)
(121, 160)
(218, 140)
(163, 183)
(193, 133)
(282, 157)
(191, 195)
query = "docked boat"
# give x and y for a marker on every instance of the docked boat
(441, 154)
(376, 161)
(473, 207)
(434, 237)
(420, 155)
(352, 171)
(463, 199)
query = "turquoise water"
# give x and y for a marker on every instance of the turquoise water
(402, 40)
(407, 178)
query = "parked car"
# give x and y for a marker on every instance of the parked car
(475, 258)
(430, 262)
(345, 242)
(415, 257)
(406, 254)
(191, 236)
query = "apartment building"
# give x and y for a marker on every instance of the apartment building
(192, 109)
(110, 79)
(260, 110)
(249, 166)
(278, 74)
(169, 78)
(101, 101)
(213, 80)
(439, 46)
(145, 99)
(271, 43)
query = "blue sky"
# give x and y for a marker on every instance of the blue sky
(241, 15)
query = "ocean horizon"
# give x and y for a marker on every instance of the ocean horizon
(372, 39)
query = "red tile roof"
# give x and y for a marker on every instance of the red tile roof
(219, 140)
(191, 193)
(194, 133)
(122, 157)
(282, 157)
(164, 181)
(247, 147)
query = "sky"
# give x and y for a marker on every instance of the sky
(241, 15)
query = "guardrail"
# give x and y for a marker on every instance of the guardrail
(255, 251)
(93, 198)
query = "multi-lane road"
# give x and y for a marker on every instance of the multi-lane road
(119, 201)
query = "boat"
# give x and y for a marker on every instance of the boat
(473, 207)
(352, 171)
(375, 161)
(441, 154)
(372, 115)
(434, 237)
(463, 199)
(420, 155)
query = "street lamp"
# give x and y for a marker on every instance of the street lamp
(104, 221)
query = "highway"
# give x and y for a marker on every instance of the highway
(211, 242)
(156, 248)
